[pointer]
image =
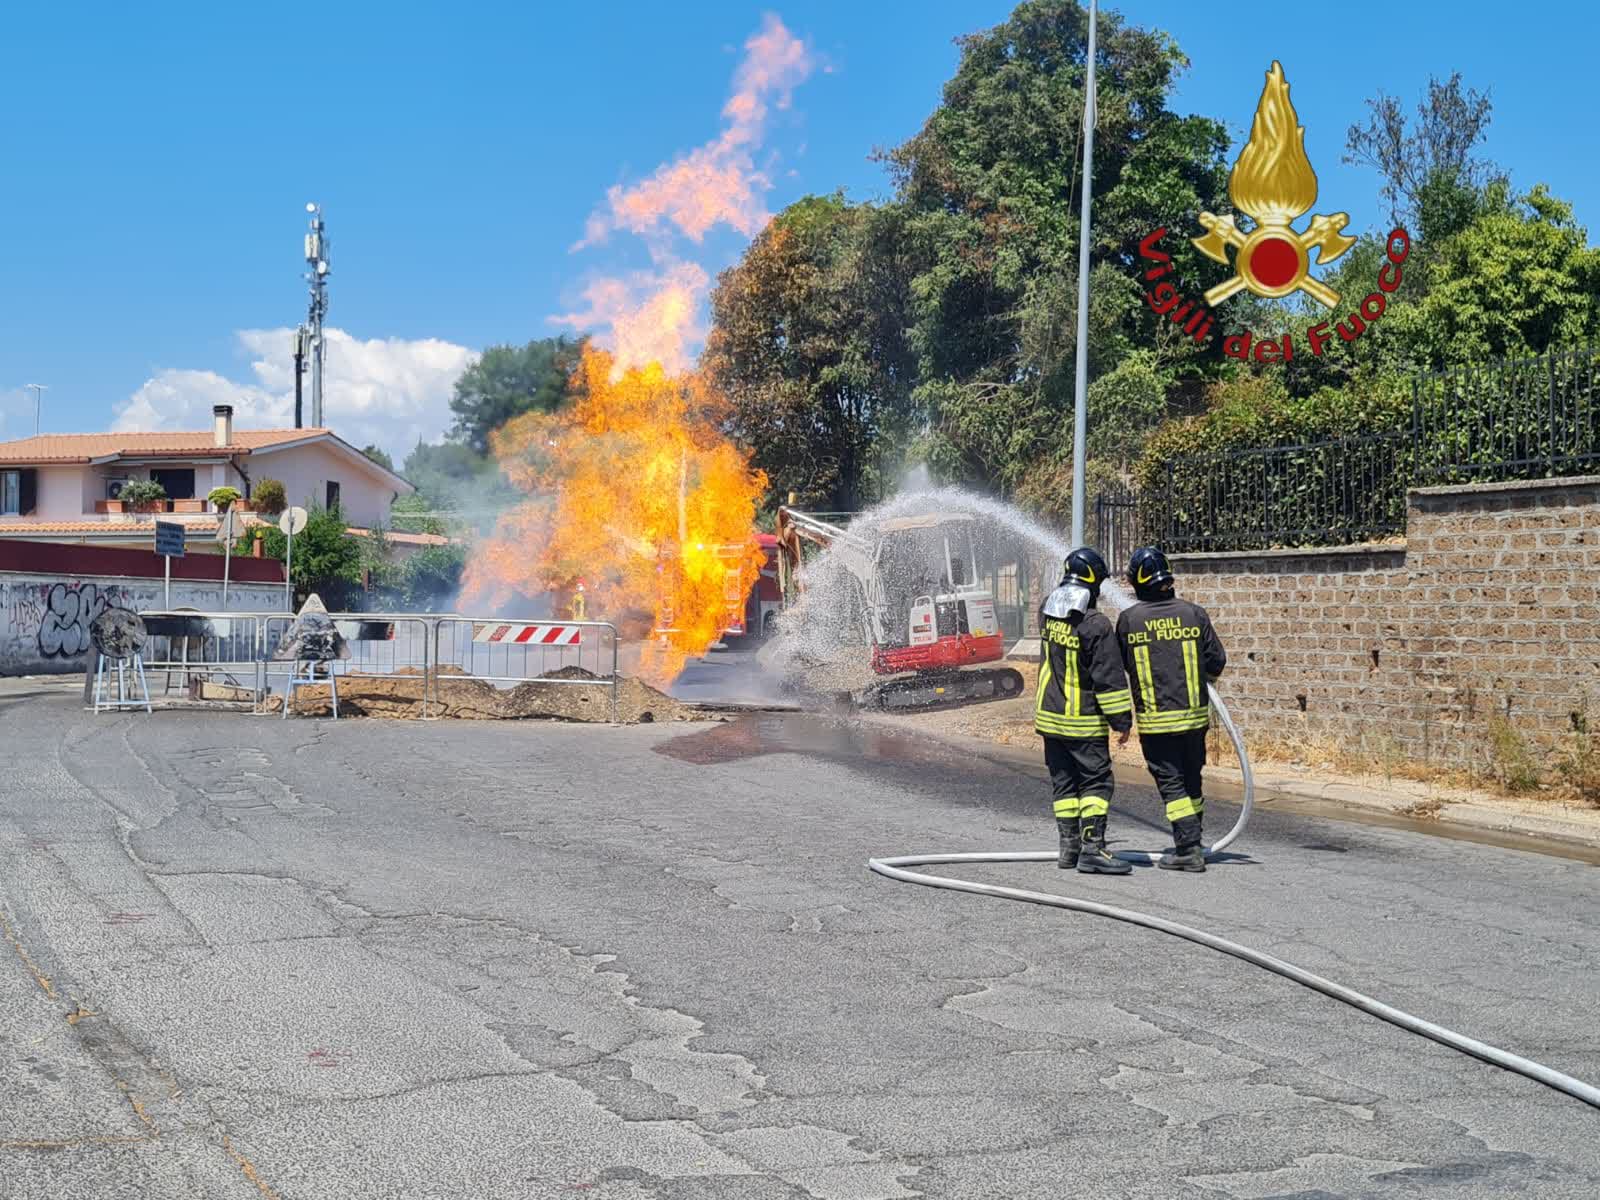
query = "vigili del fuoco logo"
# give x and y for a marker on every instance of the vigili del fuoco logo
(1273, 184)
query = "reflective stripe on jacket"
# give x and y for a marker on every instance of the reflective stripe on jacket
(1082, 689)
(1170, 649)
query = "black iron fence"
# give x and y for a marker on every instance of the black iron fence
(1116, 526)
(1520, 419)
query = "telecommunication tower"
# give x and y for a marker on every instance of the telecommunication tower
(317, 257)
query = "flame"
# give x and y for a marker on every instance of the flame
(634, 490)
(718, 182)
(1273, 180)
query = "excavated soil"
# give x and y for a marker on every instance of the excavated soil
(400, 695)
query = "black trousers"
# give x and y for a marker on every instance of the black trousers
(1080, 776)
(1176, 762)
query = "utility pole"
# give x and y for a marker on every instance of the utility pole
(317, 252)
(37, 389)
(1080, 402)
(299, 374)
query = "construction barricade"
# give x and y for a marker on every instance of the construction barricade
(570, 653)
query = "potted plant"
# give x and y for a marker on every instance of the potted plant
(269, 497)
(143, 495)
(224, 498)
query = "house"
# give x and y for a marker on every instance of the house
(64, 487)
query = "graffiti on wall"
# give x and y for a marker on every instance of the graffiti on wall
(69, 611)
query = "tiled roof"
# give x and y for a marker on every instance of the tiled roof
(204, 525)
(83, 447)
(401, 537)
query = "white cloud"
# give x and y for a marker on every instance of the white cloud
(389, 391)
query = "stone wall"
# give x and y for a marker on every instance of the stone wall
(1407, 650)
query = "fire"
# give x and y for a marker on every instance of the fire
(634, 490)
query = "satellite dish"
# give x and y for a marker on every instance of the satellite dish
(292, 521)
(118, 633)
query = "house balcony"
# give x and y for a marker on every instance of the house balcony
(118, 508)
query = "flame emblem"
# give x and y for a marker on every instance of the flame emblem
(1273, 183)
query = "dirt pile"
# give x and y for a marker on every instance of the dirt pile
(456, 695)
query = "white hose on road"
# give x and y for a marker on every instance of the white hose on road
(895, 868)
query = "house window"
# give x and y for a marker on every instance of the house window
(19, 492)
(333, 494)
(178, 482)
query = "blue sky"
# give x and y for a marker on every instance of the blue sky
(160, 158)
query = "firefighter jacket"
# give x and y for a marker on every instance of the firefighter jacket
(1082, 689)
(1169, 650)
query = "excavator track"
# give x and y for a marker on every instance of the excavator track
(942, 690)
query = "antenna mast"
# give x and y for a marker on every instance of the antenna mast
(317, 258)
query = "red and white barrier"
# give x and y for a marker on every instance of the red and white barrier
(528, 635)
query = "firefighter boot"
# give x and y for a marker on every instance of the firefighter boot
(1186, 854)
(1070, 842)
(1092, 858)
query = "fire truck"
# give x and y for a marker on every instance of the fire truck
(748, 611)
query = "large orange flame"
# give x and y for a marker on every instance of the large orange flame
(634, 491)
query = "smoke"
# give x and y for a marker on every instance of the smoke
(655, 315)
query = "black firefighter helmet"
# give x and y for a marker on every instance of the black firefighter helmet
(1084, 565)
(1149, 572)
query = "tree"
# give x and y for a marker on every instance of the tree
(1428, 169)
(450, 476)
(431, 578)
(1520, 279)
(327, 560)
(990, 192)
(809, 343)
(506, 381)
(381, 457)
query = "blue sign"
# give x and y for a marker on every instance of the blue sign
(169, 539)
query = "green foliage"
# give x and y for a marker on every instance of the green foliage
(506, 381)
(222, 498)
(1518, 280)
(430, 578)
(406, 515)
(138, 492)
(268, 497)
(809, 343)
(1123, 406)
(990, 196)
(1511, 761)
(327, 560)
(453, 477)
(379, 456)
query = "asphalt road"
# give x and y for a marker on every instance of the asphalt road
(249, 958)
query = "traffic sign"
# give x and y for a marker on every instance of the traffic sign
(169, 539)
(292, 521)
(225, 529)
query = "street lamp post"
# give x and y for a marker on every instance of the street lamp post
(1080, 402)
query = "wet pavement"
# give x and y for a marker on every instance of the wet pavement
(243, 957)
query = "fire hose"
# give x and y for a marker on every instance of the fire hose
(895, 868)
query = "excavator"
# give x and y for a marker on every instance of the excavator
(917, 605)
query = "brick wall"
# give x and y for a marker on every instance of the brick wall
(1490, 605)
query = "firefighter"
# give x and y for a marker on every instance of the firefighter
(1082, 694)
(1170, 651)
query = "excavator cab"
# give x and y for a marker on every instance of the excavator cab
(925, 612)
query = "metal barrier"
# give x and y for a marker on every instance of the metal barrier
(240, 645)
(382, 646)
(537, 651)
(208, 644)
